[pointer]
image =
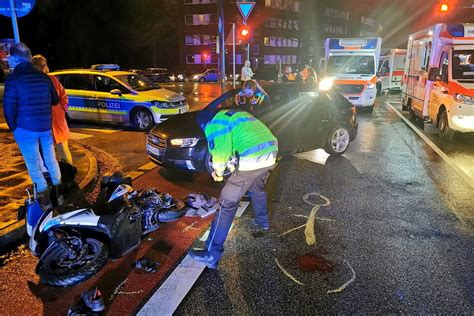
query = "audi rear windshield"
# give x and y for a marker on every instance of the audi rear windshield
(138, 82)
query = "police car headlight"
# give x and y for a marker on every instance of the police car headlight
(371, 86)
(461, 98)
(161, 105)
(184, 142)
(326, 84)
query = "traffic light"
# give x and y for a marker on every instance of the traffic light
(444, 7)
(244, 35)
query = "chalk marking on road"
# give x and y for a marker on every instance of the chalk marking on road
(130, 293)
(191, 226)
(76, 136)
(117, 289)
(309, 229)
(448, 160)
(287, 273)
(345, 285)
(318, 218)
(175, 288)
(293, 229)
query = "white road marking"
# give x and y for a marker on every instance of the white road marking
(175, 288)
(100, 130)
(77, 136)
(147, 166)
(448, 160)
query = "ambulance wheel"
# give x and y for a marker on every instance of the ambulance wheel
(445, 132)
(379, 88)
(142, 119)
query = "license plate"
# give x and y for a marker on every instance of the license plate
(155, 151)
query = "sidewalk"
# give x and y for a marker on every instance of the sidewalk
(14, 180)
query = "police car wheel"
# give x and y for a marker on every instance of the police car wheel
(142, 120)
(202, 80)
(338, 140)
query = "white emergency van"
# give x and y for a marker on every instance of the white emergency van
(351, 65)
(391, 70)
(439, 77)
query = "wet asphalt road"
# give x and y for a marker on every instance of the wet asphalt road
(399, 224)
(399, 227)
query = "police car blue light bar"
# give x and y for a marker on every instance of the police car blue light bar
(102, 67)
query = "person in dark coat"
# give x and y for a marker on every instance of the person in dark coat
(29, 95)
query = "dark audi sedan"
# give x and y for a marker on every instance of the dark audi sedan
(301, 117)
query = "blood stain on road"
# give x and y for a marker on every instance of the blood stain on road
(310, 263)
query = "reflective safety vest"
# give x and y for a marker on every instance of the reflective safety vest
(238, 133)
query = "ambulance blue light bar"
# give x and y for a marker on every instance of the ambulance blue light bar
(346, 43)
(460, 30)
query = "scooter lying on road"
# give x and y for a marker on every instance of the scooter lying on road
(72, 247)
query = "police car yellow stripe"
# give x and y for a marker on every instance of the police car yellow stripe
(95, 110)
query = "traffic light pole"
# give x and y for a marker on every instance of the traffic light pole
(220, 9)
(233, 55)
(14, 21)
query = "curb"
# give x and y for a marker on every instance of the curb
(17, 230)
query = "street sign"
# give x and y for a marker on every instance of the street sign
(22, 7)
(245, 7)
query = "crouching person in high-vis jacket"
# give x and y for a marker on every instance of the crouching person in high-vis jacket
(229, 134)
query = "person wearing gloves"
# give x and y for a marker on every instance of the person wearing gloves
(246, 72)
(237, 134)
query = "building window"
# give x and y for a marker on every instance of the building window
(199, 59)
(335, 13)
(280, 42)
(198, 39)
(199, 1)
(275, 59)
(291, 5)
(200, 19)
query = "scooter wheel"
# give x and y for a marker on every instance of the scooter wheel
(56, 269)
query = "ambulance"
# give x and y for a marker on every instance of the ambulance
(439, 77)
(351, 66)
(391, 70)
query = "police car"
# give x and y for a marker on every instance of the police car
(106, 94)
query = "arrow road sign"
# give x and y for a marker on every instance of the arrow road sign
(245, 7)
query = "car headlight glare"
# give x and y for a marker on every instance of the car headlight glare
(326, 84)
(371, 86)
(184, 142)
(462, 98)
(196, 77)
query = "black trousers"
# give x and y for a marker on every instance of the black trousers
(236, 186)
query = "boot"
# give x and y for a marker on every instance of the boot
(58, 194)
(45, 199)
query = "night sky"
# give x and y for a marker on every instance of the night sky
(81, 33)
